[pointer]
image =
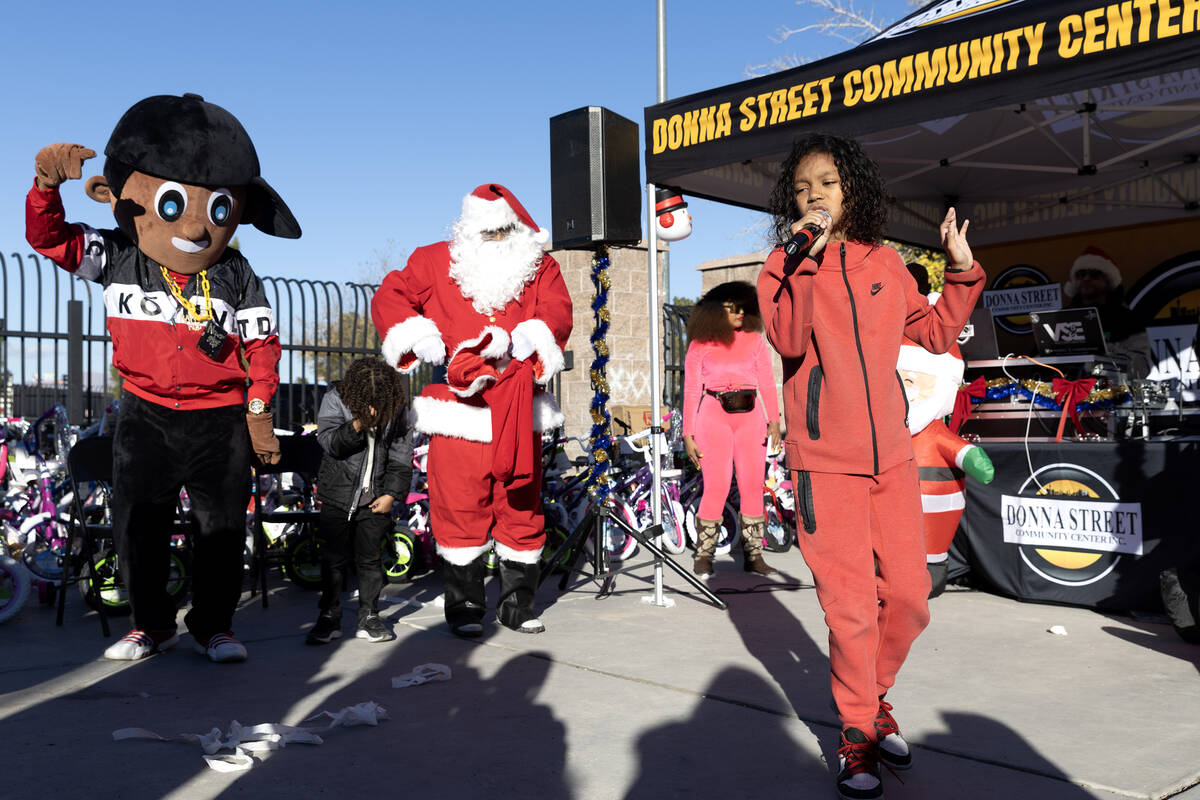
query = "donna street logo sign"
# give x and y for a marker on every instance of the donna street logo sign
(1030, 284)
(1074, 529)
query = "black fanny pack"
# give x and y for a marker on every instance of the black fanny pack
(736, 402)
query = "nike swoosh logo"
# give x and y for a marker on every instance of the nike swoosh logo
(876, 289)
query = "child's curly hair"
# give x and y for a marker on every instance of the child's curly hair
(709, 322)
(865, 201)
(370, 383)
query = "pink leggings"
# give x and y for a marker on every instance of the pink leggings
(728, 441)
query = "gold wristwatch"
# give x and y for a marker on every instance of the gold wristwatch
(257, 406)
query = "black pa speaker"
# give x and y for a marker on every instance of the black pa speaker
(595, 192)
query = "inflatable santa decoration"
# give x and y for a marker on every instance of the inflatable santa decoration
(943, 458)
(491, 306)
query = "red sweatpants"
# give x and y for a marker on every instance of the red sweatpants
(867, 557)
(467, 505)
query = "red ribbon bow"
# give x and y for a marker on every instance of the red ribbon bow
(962, 402)
(1070, 393)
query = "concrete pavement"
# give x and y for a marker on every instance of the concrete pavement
(619, 699)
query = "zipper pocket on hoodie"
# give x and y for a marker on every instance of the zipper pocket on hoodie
(804, 501)
(903, 394)
(813, 406)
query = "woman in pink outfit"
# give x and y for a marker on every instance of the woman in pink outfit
(730, 410)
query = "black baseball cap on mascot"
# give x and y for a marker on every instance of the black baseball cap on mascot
(189, 140)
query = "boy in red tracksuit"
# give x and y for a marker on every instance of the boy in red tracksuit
(837, 312)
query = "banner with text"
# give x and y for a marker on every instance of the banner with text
(1073, 523)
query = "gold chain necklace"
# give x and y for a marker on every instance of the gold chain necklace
(196, 318)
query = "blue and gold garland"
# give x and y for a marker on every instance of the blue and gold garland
(600, 438)
(1042, 395)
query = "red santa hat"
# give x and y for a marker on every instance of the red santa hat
(492, 207)
(947, 366)
(1094, 258)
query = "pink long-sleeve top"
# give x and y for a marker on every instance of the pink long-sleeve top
(745, 364)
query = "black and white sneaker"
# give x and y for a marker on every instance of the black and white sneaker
(893, 749)
(858, 767)
(374, 629)
(326, 629)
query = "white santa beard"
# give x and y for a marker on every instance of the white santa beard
(491, 274)
(936, 404)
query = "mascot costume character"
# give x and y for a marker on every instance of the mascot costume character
(943, 458)
(491, 306)
(672, 220)
(184, 312)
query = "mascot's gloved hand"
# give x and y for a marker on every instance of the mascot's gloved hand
(430, 349)
(262, 437)
(56, 163)
(977, 464)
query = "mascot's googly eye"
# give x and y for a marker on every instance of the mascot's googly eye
(170, 201)
(220, 206)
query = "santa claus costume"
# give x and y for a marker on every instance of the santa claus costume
(944, 459)
(491, 306)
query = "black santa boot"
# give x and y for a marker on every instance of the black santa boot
(465, 601)
(518, 582)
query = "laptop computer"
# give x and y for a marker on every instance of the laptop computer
(977, 341)
(1068, 332)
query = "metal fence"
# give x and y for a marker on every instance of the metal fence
(674, 352)
(54, 347)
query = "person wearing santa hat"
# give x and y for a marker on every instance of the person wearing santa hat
(944, 459)
(492, 307)
(1095, 281)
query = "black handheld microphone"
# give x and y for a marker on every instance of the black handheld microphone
(803, 238)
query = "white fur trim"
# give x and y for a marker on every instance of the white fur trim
(943, 365)
(936, 559)
(506, 553)
(476, 386)
(402, 337)
(488, 215)
(937, 503)
(962, 455)
(534, 336)
(542, 236)
(461, 556)
(474, 423)
(447, 418)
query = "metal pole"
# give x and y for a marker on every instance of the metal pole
(655, 392)
(75, 361)
(662, 96)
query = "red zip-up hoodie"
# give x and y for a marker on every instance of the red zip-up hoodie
(838, 322)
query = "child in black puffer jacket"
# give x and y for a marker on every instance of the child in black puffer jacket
(364, 429)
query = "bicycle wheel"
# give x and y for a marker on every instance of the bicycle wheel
(729, 526)
(302, 558)
(674, 537)
(400, 552)
(15, 584)
(779, 531)
(555, 536)
(110, 586)
(43, 560)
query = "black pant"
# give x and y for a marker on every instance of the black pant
(363, 534)
(156, 452)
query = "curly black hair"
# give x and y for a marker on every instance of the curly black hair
(865, 201)
(372, 390)
(708, 321)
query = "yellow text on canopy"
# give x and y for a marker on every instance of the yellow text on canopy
(1105, 27)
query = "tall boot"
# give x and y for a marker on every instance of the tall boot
(753, 529)
(518, 582)
(465, 601)
(707, 531)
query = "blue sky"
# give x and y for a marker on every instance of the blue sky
(373, 119)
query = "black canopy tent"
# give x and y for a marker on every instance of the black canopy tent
(1032, 117)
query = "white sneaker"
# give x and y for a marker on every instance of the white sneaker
(221, 648)
(138, 644)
